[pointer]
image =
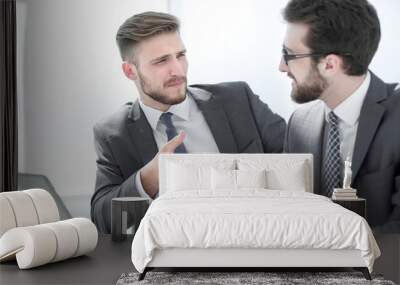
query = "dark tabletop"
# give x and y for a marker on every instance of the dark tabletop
(110, 259)
(102, 266)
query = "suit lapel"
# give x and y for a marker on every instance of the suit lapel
(216, 119)
(142, 134)
(370, 117)
(315, 128)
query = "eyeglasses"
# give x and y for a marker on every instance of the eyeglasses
(288, 57)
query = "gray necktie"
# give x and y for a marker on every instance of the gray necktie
(332, 161)
(165, 119)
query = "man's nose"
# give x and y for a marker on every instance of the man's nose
(283, 67)
(177, 67)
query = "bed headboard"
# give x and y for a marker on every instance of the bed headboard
(283, 166)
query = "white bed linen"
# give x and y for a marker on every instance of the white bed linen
(251, 218)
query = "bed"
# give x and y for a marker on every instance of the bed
(247, 210)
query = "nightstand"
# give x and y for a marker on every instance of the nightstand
(358, 206)
(126, 214)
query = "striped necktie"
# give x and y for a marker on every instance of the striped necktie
(165, 119)
(332, 161)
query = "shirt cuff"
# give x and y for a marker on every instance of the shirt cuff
(139, 187)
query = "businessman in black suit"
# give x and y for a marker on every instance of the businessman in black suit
(328, 47)
(170, 117)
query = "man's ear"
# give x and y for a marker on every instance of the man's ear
(330, 65)
(129, 70)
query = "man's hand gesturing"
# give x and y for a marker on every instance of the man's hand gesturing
(149, 172)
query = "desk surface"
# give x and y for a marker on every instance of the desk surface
(110, 259)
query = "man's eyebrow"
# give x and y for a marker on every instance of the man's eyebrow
(286, 48)
(160, 58)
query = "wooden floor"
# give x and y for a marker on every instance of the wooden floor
(110, 259)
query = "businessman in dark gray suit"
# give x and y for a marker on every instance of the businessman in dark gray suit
(170, 117)
(327, 49)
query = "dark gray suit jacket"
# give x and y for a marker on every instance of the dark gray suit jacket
(376, 159)
(238, 120)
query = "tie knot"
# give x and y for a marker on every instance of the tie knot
(332, 118)
(165, 118)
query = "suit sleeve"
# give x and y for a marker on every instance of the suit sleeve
(110, 183)
(393, 224)
(286, 143)
(271, 126)
(395, 216)
(396, 201)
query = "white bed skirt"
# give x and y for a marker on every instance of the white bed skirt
(236, 257)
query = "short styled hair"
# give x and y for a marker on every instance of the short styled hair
(142, 26)
(349, 28)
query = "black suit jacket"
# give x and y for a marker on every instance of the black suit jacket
(376, 158)
(239, 121)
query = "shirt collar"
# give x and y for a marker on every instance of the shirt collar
(349, 110)
(181, 110)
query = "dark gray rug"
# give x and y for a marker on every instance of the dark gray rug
(229, 278)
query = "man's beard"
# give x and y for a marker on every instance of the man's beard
(311, 90)
(159, 95)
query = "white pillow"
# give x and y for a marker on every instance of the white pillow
(293, 179)
(223, 179)
(282, 174)
(251, 178)
(226, 179)
(186, 172)
(187, 177)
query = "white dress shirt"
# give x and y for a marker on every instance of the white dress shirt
(348, 113)
(187, 117)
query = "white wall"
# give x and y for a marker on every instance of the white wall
(386, 62)
(69, 77)
(243, 41)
